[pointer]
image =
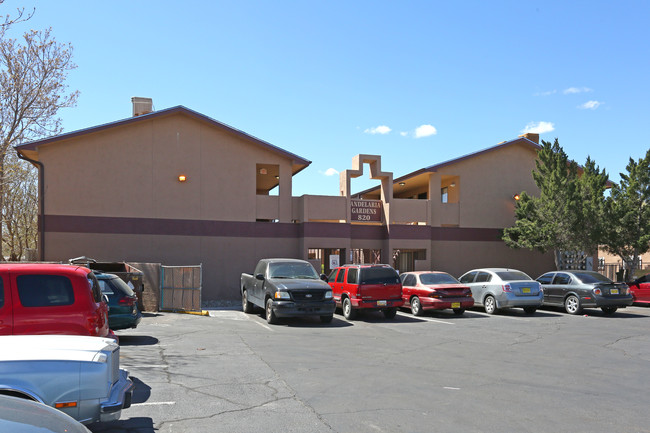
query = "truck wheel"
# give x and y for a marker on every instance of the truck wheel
(348, 312)
(246, 305)
(390, 313)
(270, 315)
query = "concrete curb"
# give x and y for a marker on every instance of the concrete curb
(195, 313)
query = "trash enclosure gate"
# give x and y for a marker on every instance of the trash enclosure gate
(180, 288)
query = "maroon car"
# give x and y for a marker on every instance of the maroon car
(431, 290)
(640, 289)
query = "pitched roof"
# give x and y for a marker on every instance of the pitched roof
(433, 168)
(30, 149)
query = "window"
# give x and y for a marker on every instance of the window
(44, 290)
(483, 277)
(409, 280)
(440, 278)
(562, 279)
(353, 274)
(94, 287)
(468, 278)
(592, 277)
(444, 195)
(379, 276)
(513, 276)
(545, 279)
(339, 277)
(332, 275)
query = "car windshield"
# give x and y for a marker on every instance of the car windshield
(512, 276)
(292, 270)
(438, 279)
(123, 286)
(591, 277)
(379, 276)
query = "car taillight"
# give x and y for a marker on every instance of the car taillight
(506, 288)
(597, 292)
(126, 301)
(434, 294)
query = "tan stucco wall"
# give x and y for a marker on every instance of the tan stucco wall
(486, 184)
(133, 171)
(445, 257)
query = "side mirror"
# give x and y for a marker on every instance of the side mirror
(323, 277)
(259, 277)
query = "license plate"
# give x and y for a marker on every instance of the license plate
(525, 290)
(613, 291)
(381, 303)
(455, 305)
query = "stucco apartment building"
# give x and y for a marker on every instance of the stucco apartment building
(176, 187)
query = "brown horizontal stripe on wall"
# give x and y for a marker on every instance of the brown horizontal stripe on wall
(466, 234)
(183, 227)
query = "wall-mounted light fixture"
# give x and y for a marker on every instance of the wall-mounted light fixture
(277, 177)
(182, 178)
(263, 171)
(516, 197)
(453, 184)
(402, 183)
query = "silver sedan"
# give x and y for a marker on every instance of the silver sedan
(496, 288)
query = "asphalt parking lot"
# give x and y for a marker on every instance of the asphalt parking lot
(231, 372)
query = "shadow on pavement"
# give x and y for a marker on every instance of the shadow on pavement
(137, 340)
(131, 425)
(142, 391)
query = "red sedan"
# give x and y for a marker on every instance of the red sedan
(431, 290)
(640, 289)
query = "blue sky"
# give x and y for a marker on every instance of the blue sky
(417, 82)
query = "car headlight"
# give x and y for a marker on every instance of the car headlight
(282, 295)
(328, 294)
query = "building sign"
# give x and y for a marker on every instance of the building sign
(366, 210)
(334, 261)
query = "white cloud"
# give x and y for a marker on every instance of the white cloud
(572, 90)
(590, 105)
(547, 93)
(538, 127)
(330, 172)
(382, 129)
(425, 131)
(404, 134)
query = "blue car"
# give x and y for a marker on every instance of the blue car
(497, 288)
(123, 310)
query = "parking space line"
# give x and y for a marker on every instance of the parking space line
(428, 319)
(154, 403)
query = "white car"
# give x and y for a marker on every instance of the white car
(78, 375)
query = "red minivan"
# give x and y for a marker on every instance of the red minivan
(367, 287)
(45, 298)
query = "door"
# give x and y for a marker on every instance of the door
(559, 289)
(6, 311)
(481, 286)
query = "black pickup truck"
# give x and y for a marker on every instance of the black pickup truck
(287, 288)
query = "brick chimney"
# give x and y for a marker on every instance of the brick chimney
(141, 106)
(531, 136)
